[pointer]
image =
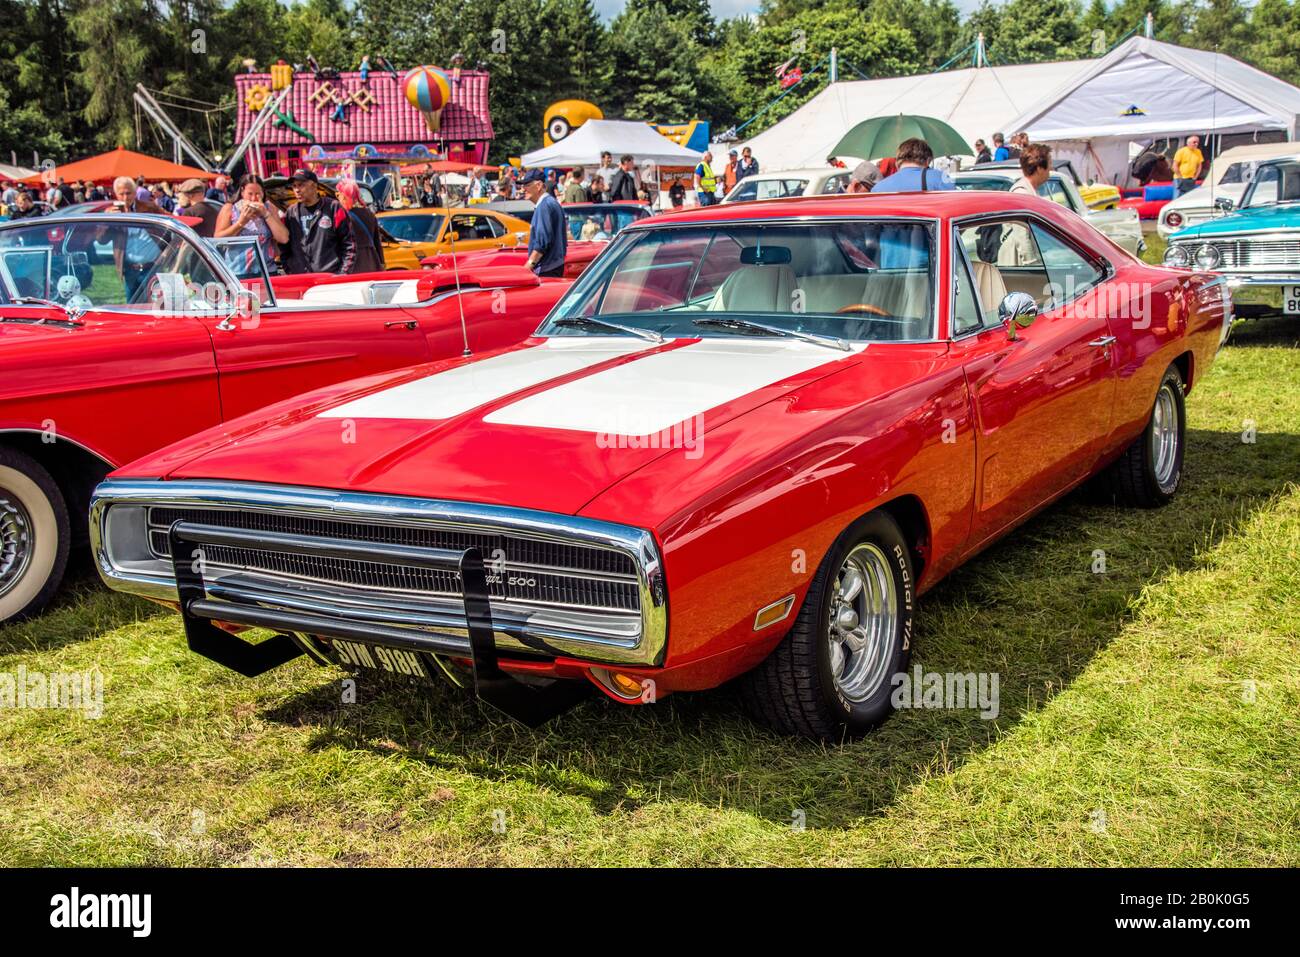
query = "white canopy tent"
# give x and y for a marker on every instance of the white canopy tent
(15, 172)
(976, 102)
(584, 145)
(1144, 90)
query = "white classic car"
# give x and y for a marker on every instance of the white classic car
(1120, 225)
(1221, 191)
(785, 183)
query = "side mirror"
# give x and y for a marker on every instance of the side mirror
(1223, 203)
(453, 236)
(1017, 310)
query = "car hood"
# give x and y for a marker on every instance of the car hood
(1280, 216)
(22, 326)
(1199, 198)
(547, 425)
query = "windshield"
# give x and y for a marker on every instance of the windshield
(244, 257)
(1236, 173)
(108, 262)
(421, 228)
(597, 223)
(999, 183)
(751, 188)
(855, 279)
(1274, 183)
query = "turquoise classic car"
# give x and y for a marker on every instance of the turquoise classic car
(1257, 247)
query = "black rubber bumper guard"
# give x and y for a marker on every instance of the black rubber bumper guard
(530, 704)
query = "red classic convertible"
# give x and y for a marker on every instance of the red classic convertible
(742, 444)
(121, 334)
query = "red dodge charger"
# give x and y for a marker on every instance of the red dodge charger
(742, 444)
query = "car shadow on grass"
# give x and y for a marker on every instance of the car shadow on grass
(1033, 609)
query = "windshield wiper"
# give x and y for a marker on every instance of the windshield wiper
(830, 342)
(73, 315)
(648, 334)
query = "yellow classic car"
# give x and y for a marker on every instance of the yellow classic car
(413, 234)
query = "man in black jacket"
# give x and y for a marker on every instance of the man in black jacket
(623, 185)
(320, 235)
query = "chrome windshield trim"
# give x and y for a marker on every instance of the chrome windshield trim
(621, 239)
(580, 638)
(169, 223)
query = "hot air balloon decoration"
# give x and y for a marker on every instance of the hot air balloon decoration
(428, 89)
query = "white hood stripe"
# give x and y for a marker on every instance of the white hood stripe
(656, 392)
(445, 395)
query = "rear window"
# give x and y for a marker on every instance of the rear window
(416, 229)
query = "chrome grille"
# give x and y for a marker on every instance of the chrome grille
(1253, 253)
(546, 572)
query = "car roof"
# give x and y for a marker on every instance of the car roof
(1258, 151)
(930, 204)
(616, 204)
(437, 210)
(808, 171)
(1007, 173)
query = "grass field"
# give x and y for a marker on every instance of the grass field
(1150, 715)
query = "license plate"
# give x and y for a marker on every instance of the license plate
(1291, 300)
(361, 656)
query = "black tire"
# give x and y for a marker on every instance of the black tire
(1133, 479)
(794, 690)
(34, 535)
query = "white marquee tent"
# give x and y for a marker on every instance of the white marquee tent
(15, 172)
(584, 145)
(976, 102)
(1145, 89)
(1091, 110)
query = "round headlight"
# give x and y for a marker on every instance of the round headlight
(1207, 257)
(1177, 256)
(1174, 220)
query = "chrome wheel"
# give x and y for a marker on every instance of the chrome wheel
(1164, 435)
(863, 622)
(16, 540)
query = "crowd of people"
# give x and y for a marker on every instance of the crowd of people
(339, 234)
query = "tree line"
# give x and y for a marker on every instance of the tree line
(68, 68)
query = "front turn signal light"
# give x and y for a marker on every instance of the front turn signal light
(777, 611)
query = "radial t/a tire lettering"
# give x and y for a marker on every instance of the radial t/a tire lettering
(832, 675)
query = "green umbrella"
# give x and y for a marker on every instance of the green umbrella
(880, 136)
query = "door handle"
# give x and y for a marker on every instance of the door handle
(404, 323)
(1104, 344)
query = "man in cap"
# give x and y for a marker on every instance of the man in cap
(864, 176)
(320, 234)
(729, 174)
(191, 205)
(548, 237)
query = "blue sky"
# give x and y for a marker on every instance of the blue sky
(722, 9)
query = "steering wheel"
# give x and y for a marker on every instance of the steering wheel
(862, 307)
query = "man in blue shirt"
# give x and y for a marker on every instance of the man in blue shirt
(548, 237)
(1000, 151)
(914, 173)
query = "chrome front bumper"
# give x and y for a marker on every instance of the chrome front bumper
(1258, 295)
(119, 533)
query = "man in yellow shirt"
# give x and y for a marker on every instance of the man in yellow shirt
(1187, 165)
